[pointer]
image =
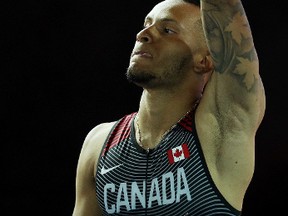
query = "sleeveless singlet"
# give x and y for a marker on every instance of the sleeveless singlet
(169, 180)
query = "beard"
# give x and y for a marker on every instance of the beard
(138, 76)
(166, 75)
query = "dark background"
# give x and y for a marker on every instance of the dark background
(63, 72)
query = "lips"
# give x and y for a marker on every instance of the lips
(142, 54)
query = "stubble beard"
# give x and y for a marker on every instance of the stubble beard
(138, 76)
(170, 74)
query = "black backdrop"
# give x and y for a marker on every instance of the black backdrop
(63, 72)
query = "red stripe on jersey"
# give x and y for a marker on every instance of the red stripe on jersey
(120, 132)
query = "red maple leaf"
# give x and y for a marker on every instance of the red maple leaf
(177, 153)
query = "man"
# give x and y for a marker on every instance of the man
(189, 150)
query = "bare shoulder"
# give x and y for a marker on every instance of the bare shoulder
(94, 141)
(98, 134)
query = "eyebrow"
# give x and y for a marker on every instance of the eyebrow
(162, 20)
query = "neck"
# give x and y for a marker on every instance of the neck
(158, 113)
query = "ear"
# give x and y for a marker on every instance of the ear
(203, 63)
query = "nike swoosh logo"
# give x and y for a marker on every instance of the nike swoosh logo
(104, 171)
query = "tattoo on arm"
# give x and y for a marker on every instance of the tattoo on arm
(230, 40)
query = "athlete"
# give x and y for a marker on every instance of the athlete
(189, 148)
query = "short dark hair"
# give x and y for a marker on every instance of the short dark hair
(196, 2)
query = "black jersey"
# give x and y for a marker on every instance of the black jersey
(170, 180)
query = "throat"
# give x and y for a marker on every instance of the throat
(149, 141)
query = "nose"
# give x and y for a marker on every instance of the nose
(144, 36)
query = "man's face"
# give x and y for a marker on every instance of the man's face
(163, 52)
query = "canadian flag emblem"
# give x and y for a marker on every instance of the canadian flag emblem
(178, 153)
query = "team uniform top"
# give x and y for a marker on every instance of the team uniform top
(170, 180)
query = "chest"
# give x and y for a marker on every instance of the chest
(171, 179)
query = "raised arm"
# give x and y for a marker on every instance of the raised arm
(233, 102)
(236, 88)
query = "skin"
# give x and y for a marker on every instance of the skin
(227, 84)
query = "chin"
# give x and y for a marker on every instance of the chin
(139, 77)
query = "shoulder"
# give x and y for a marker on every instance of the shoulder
(98, 134)
(93, 143)
(96, 137)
